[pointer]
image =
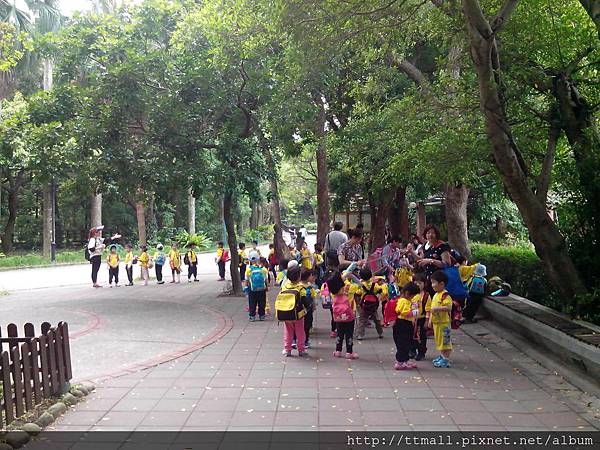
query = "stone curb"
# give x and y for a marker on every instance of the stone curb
(21, 434)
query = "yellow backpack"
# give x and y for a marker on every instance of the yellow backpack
(288, 305)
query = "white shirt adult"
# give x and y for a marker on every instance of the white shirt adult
(303, 232)
(335, 239)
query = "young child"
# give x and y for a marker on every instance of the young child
(293, 252)
(113, 261)
(419, 346)
(264, 262)
(255, 248)
(306, 256)
(294, 327)
(243, 264)
(338, 287)
(368, 295)
(221, 259)
(403, 330)
(307, 278)
(144, 260)
(477, 287)
(272, 258)
(159, 260)
(175, 263)
(256, 286)
(319, 261)
(191, 259)
(129, 263)
(439, 319)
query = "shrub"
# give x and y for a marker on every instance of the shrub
(260, 233)
(522, 268)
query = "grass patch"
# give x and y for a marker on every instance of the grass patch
(32, 259)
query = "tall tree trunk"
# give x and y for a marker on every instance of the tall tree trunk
(253, 215)
(457, 197)
(232, 243)
(180, 213)
(96, 210)
(14, 186)
(578, 123)
(47, 219)
(281, 250)
(191, 212)
(421, 218)
(140, 215)
(322, 175)
(377, 238)
(549, 243)
(398, 217)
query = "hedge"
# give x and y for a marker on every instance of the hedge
(521, 268)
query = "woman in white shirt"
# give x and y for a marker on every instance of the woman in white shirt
(96, 246)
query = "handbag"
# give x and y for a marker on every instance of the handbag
(332, 254)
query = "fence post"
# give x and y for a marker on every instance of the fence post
(7, 388)
(44, 366)
(26, 358)
(17, 380)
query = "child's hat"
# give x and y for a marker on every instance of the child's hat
(292, 263)
(159, 247)
(481, 270)
(254, 256)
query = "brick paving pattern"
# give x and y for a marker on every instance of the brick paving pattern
(243, 382)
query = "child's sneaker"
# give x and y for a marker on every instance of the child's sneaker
(351, 355)
(420, 357)
(303, 353)
(110, 285)
(337, 354)
(287, 354)
(294, 345)
(402, 366)
(437, 359)
(196, 280)
(443, 363)
(307, 344)
(261, 318)
(411, 364)
(116, 285)
(251, 318)
(381, 336)
(333, 334)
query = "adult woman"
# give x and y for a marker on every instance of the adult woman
(436, 253)
(352, 251)
(96, 246)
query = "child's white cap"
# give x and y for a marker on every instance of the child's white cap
(254, 256)
(481, 270)
(159, 247)
(292, 263)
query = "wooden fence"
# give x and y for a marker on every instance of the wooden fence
(32, 368)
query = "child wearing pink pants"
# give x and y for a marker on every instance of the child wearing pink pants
(295, 327)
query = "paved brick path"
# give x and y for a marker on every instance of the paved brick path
(243, 382)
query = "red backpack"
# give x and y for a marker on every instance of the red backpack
(369, 301)
(389, 313)
(456, 317)
(342, 311)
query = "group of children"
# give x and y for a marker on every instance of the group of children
(157, 260)
(414, 304)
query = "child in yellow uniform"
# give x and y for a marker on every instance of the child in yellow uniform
(407, 311)
(221, 259)
(144, 259)
(419, 346)
(191, 259)
(439, 320)
(243, 264)
(307, 257)
(368, 296)
(113, 261)
(175, 262)
(129, 263)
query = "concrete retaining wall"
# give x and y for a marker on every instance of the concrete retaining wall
(571, 351)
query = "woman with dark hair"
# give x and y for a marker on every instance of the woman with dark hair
(96, 246)
(436, 253)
